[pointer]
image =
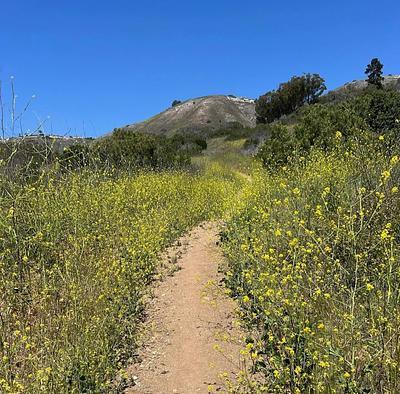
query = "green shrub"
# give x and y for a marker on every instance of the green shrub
(278, 148)
(126, 149)
(319, 125)
(380, 109)
(75, 156)
(324, 125)
(27, 154)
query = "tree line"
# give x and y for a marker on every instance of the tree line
(374, 112)
(301, 90)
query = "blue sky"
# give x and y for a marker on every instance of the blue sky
(96, 65)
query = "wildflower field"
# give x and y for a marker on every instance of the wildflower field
(76, 254)
(312, 250)
(314, 260)
(310, 228)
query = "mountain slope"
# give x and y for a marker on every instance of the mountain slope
(353, 88)
(199, 114)
(204, 114)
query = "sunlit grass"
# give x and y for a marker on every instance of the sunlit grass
(76, 256)
(314, 262)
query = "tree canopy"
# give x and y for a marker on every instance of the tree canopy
(374, 73)
(289, 97)
(175, 103)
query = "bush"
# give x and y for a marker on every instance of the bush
(320, 125)
(189, 143)
(126, 149)
(324, 125)
(201, 143)
(277, 150)
(380, 109)
(27, 154)
(75, 156)
(175, 103)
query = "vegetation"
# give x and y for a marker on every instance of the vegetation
(358, 119)
(374, 73)
(381, 109)
(75, 156)
(76, 254)
(135, 150)
(314, 261)
(123, 150)
(175, 103)
(289, 97)
(310, 233)
(314, 251)
(27, 155)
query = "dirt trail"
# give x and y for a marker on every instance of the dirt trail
(194, 338)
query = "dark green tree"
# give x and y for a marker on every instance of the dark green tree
(374, 73)
(314, 86)
(268, 107)
(175, 103)
(289, 97)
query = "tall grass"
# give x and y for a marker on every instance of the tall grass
(314, 260)
(76, 254)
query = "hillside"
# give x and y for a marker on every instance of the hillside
(55, 142)
(219, 111)
(199, 114)
(353, 88)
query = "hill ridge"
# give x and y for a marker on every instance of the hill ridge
(218, 111)
(200, 113)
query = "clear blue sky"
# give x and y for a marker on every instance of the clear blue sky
(96, 65)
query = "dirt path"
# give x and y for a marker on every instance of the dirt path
(194, 345)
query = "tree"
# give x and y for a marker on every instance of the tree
(374, 72)
(268, 107)
(289, 97)
(175, 103)
(314, 86)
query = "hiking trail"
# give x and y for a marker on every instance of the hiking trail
(192, 338)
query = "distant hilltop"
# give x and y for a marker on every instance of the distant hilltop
(32, 137)
(352, 88)
(56, 143)
(198, 114)
(226, 111)
(390, 81)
